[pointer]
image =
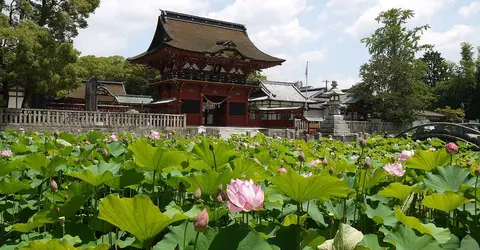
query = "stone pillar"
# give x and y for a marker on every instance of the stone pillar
(169, 136)
(318, 136)
(357, 137)
(91, 95)
(343, 138)
(366, 136)
(286, 134)
(274, 135)
(306, 138)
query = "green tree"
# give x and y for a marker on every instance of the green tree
(459, 90)
(136, 77)
(437, 68)
(392, 80)
(36, 48)
(256, 76)
(451, 115)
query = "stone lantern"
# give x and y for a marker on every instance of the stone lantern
(334, 94)
(334, 124)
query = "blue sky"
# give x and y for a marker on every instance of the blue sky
(327, 33)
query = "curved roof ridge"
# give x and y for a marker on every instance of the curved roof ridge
(191, 18)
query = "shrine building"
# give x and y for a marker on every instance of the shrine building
(205, 64)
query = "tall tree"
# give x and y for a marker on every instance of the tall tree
(36, 48)
(392, 80)
(459, 90)
(437, 68)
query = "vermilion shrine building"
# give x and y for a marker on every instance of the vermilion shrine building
(205, 65)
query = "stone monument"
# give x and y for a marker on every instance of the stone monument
(334, 125)
(91, 95)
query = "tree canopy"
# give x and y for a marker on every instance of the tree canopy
(36, 48)
(392, 80)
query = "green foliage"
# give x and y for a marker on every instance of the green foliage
(451, 115)
(392, 80)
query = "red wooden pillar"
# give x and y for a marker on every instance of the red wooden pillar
(227, 112)
(201, 109)
(247, 115)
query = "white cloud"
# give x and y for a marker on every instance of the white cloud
(317, 55)
(280, 35)
(468, 10)
(449, 41)
(115, 22)
(424, 11)
(343, 81)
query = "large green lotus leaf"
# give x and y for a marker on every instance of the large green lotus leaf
(311, 239)
(154, 159)
(138, 215)
(426, 160)
(291, 219)
(209, 181)
(286, 238)
(468, 243)
(341, 166)
(172, 209)
(59, 245)
(381, 215)
(442, 235)
(128, 177)
(245, 169)
(7, 167)
(396, 190)
(181, 235)
(220, 156)
(13, 186)
(97, 175)
(46, 167)
(116, 149)
(37, 220)
(316, 215)
(236, 239)
(404, 238)
(303, 189)
(372, 178)
(445, 202)
(449, 178)
(370, 242)
(346, 238)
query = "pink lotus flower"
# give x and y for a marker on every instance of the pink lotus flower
(405, 154)
(451, 148)
(395, 169)
(245, 196)
(87, 142)
(6, 153)
(113, 137)
(53, 185)
(154, 135)
(282, 171)
(201, 221)
(307, 175)
(314, 163)
(198, 193)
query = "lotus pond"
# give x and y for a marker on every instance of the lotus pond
(100, 191)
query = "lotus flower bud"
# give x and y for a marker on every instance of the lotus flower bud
(53, 185)
(331, 170)
(301, 157)
(298, 149)
(220, 188)
(363, 143)
(198, 193)
(210, 147)
(477, 171)
(57, 209)
(105, 152)
(451, 148)
(56, 134)
(469, 164)
(325, 162)
(87, 142)
(61, 219)
(201, 221)
(367, 164)
(65, 196)
(282, 171)
(219, 198)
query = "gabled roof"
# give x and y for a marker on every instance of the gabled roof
(280, 91)
(115, 88)
(134, 99)
(203, 35)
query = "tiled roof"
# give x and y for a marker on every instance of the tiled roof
(280, 91)
(115, 88)
(134, 99)
(203, 35)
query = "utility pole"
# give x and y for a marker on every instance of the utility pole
(326, 84)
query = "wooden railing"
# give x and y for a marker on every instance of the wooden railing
(69, 118)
